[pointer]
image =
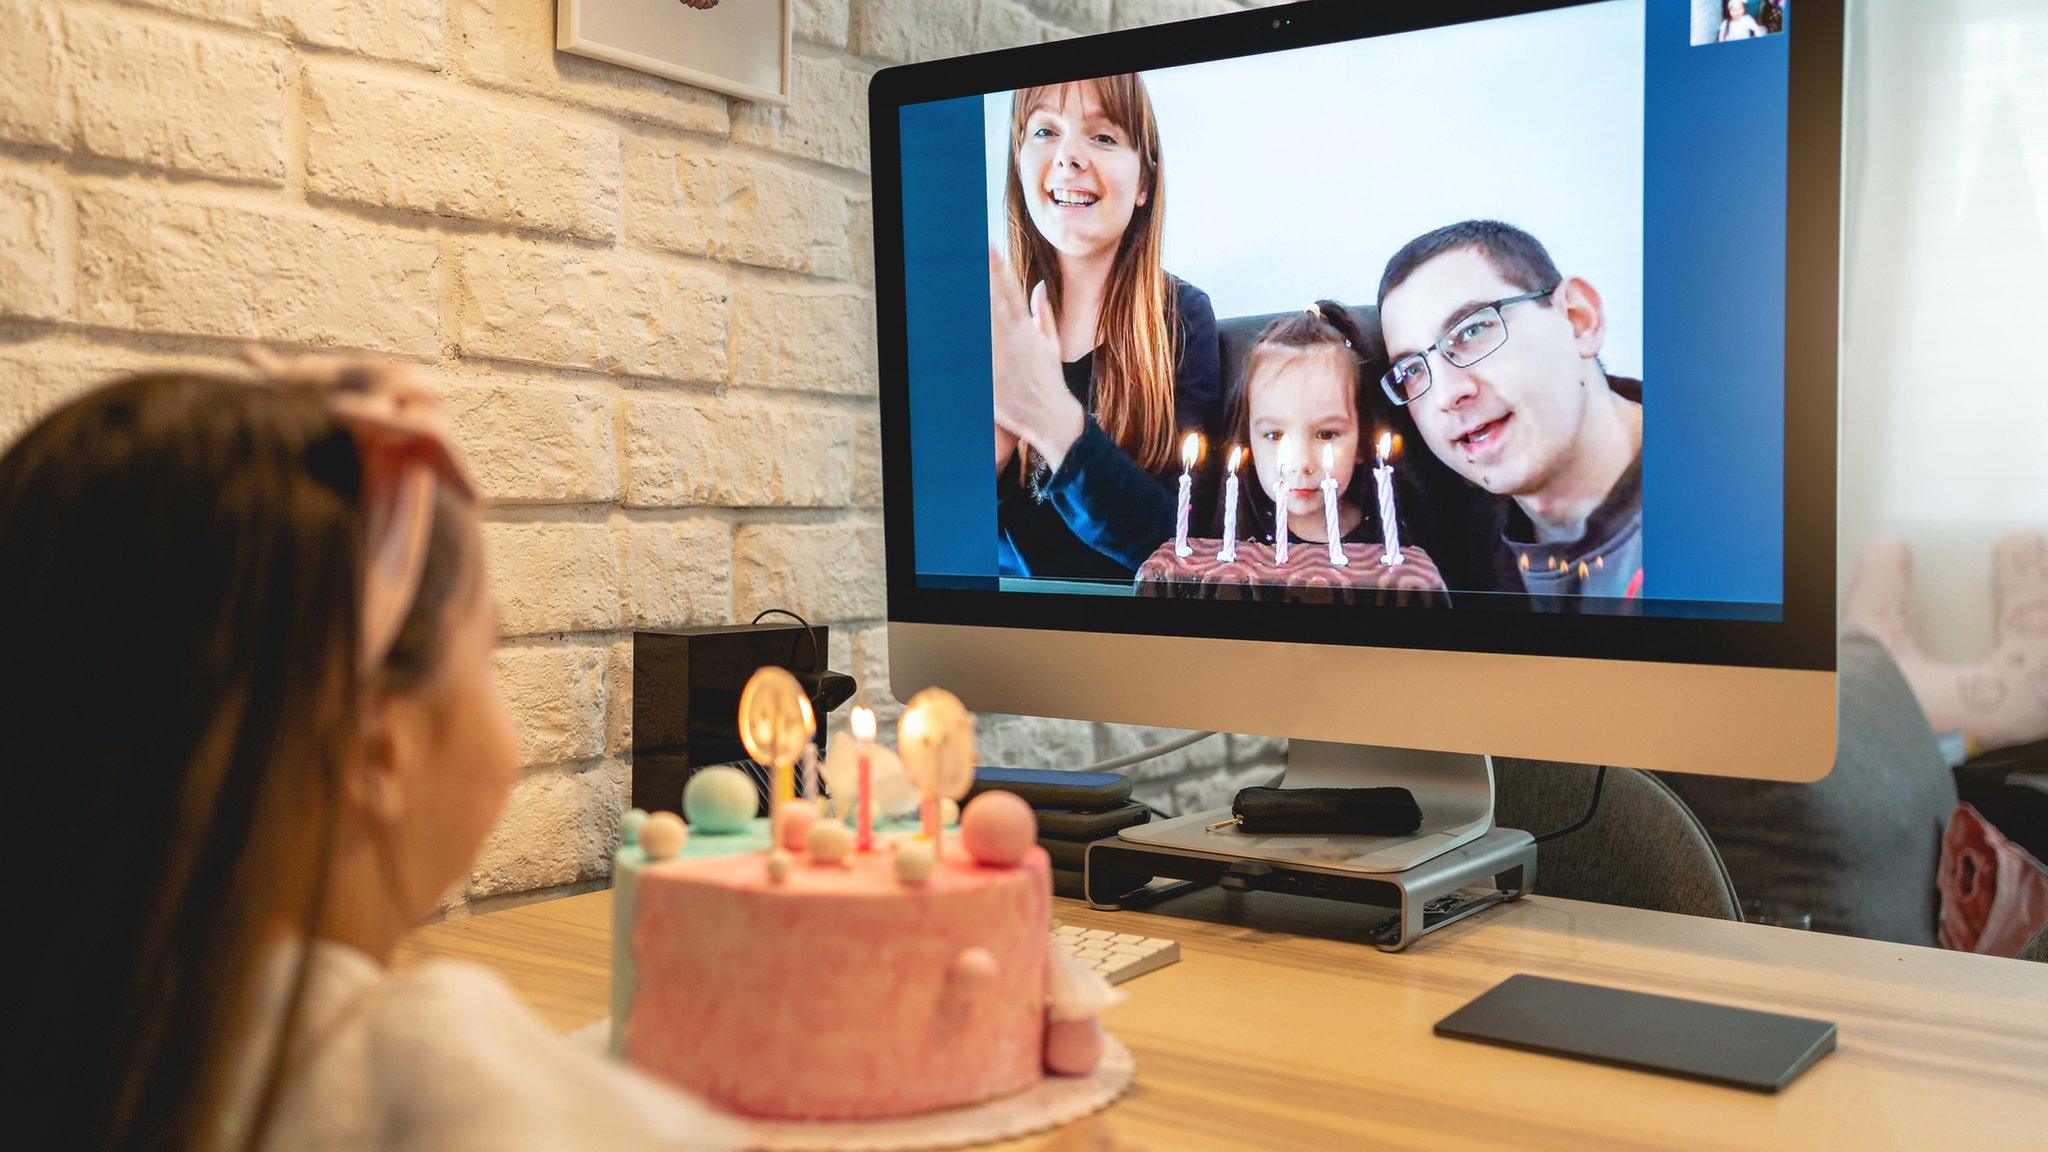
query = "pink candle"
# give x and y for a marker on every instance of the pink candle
(861, 722)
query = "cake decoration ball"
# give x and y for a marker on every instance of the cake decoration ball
(949, 811)
(778, 865)
(975, 970)
(793, 823)
(913, 861)
(829, 842)
(998, 828)
(719, 800)
(629, 825)
(1073, 1047)
(662, 835)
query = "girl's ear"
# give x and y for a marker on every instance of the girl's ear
(1144, 191)
(375, 779)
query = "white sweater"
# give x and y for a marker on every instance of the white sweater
(443, 1058)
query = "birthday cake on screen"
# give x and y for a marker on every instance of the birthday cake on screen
(838, 962)
(1309, 573)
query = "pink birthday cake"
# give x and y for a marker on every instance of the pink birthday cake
(1252, 573)
(847, 986)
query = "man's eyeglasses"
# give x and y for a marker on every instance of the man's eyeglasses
(1463, 344)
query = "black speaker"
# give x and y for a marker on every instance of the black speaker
(686, 698)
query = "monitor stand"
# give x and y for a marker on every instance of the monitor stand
(1455, 865)
(1453, 789)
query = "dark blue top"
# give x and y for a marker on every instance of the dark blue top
(1100, 515)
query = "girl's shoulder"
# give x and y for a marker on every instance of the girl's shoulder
(448, 1055)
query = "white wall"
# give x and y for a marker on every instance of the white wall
(1946, 261)
(1296, 175)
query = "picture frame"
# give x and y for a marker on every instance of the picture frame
(737, 47)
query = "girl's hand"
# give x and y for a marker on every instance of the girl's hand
(1031, 396)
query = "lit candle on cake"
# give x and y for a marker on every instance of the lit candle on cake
(775, 725)
(1383, 482)
(861, 722)
(1190, 450)
(935, 737)
(1330, 519)
(1229, 551)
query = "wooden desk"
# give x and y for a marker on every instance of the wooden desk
(1280, 1029)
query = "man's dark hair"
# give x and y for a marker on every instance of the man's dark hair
(1516, 255)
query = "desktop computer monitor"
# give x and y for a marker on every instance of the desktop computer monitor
(1531, 306)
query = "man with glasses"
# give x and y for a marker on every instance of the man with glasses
(1496, 358)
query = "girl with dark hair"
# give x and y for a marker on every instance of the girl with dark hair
(1102, 360)
(1302, 407)
(262, 739)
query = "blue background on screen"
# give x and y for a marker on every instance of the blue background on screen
(1713, 340)
(1713, 314)
(945, 281)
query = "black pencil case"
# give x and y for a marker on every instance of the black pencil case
(1329, 811)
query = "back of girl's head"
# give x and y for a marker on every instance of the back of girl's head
(181, 561)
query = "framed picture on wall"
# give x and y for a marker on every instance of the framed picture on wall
(738, 47)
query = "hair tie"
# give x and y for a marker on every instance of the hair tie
(1316, 310)
(404, 442)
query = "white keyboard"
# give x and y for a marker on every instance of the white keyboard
(1116, 956)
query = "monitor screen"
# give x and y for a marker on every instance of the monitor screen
(1482, 317)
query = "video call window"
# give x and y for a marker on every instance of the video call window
(1371, 322)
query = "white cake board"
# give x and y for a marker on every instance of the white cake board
(1053, 1101)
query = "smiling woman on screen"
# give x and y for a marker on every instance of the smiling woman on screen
(1102, 360)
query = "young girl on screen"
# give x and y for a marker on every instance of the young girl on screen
(1301, 394)
(261, 740)
(1102, 359)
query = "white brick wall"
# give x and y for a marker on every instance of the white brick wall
(650, 308)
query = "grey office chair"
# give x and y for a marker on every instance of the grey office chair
(2035, 949)
(1643, 849)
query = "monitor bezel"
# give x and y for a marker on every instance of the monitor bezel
(1804, 636)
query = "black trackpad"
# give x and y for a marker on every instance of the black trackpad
(1761, 1051)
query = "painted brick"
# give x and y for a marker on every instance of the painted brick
(810, 341)
(510, 44)
(557, 696)
(32, 105)
(393, 29)
(913, 29)
(1006, 24)
(867, 460)
(554, 575)
(556, 828)
(34, 276)
(184, 99)
(826, 22)
(618, 704)
(168, 263)
(720, 203)
(1080, 15)
(678, 572)
(1033, 741)
(580, 309)
(1136, 13)
(425, 149)
(827, 572)
(536, 443)
(1215, 790)
(826, 119)
(736, 452)
(860, 227)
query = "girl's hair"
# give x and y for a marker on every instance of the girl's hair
(1325, 327)
(1134, 396)
(181, 567)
